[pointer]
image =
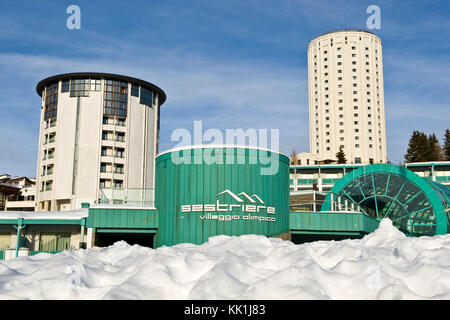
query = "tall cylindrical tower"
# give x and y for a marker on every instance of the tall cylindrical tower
(98, 136)
(346, 97)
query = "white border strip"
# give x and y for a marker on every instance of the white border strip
(217, 146)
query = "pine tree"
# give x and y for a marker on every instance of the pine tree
(418, 148)
(340, 155)
(446, 146)
(435, 148)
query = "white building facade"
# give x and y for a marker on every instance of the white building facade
(98, 139)
(346, 96)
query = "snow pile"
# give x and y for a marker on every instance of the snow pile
(382, 265)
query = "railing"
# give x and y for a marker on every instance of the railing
(127, 197)
(442, 178)
(310, 181)
(336, 204)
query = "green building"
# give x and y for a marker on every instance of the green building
(203, 191)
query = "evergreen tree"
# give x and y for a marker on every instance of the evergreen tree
(435, 148)
(340, 155)
(418, 147)
(446, 146)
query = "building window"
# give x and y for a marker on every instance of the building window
(48, 185)
(106, 152)
(118, 168)
(54, 241)
(118, 184)
(357, 160)
(116, 98)
(147, 97)
(134, 90)
(120, 136)
(65, 86)
(95, 84)
(120, 122)
(51, 101)
(79, 88)
(120, 153)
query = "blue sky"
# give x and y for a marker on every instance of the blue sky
(231, 63)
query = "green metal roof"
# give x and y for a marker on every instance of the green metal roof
(417, 206)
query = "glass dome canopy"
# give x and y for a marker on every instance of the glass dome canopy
(417, 206)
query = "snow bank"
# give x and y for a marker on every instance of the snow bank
(382, 265)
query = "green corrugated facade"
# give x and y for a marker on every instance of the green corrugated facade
(199, 183)
(331, 223)
(122, 218)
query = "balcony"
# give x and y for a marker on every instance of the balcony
(106, 158)
(22, 205)
(127, 197)
(108, 127)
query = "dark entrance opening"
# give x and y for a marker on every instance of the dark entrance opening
(305, 238)
(105, 239)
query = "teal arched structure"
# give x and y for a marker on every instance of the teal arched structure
(417, 206)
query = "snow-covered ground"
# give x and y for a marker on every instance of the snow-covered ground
(382, 265)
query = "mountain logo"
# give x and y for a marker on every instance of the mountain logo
(241, 195)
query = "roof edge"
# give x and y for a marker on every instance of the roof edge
(110, 76)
